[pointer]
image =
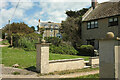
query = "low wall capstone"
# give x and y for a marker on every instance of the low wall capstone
(66, 64)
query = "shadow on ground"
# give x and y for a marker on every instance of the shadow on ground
(31, 68)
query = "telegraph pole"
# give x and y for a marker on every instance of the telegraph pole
(10, 33)
(9, 26)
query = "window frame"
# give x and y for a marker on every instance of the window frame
(92, 26)
(113, 23)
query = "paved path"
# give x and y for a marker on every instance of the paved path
(72, 75)
(3, 45)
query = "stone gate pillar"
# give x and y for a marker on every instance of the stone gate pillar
(42, 58)
(107, 56)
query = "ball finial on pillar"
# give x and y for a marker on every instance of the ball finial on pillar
(110, 35)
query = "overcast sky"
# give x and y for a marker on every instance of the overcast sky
(29, 11)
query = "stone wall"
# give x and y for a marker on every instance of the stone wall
(100, 32)
(94, 62)
(43, 65)
(66, 64)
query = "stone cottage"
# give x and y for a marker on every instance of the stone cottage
(98, 20)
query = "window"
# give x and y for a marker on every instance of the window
(56, 26)
(46, 26)
(96, 24)
(92, 24)
(51, 30)
(88, 26)
(51, 26)
(113, 21)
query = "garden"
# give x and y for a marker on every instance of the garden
(21, 48)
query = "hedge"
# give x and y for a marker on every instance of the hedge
(86, 50)
(63, 49)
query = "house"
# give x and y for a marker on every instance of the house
(98, 20)
(51, 29)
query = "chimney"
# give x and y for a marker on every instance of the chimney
(94, 3)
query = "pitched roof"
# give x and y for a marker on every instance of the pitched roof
(103, 10)
(43, 24)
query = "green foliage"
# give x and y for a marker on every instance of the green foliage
(63, 49)
(71, 30)
(54, 40)
(71, 27)
(33, 28)
(16, 73)
(17, 28)
(87, 50)
(27, 59)
(96, 76)
(76, 13)
(26, 41)
(65, 37)
(4, 42)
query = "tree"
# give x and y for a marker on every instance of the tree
(33, 28)
(76, 14)
(71, 27)
(17, 28)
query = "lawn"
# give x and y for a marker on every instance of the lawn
(26, 59)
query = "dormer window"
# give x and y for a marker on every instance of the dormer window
(92, 24)
(113, 21)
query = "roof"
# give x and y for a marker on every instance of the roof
(103, 10)
(50, 24)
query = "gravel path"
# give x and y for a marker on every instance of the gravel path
(6, 73)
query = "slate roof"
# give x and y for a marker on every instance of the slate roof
(50, 24)
(103, 10)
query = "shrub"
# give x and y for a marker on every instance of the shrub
(86, 50)
(63, 49)
(54, 40)
(26, 41)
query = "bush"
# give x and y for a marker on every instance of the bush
(63, 49)
(25, 41)
(86, 50)
(54, 40)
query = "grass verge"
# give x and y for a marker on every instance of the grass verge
(27, 59)
(88, 77)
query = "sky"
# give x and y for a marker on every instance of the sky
(30, 11)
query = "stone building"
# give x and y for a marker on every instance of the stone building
(51, 29)
(100, 19)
